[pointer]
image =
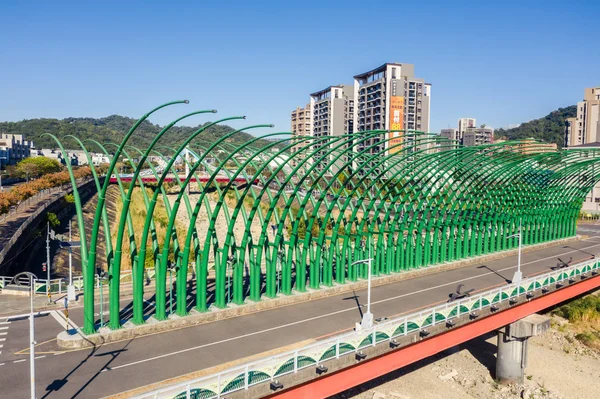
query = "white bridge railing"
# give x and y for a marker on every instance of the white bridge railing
(271, 368)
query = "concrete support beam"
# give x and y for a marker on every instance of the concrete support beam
(512, 347)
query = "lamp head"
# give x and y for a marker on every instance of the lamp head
(186, 101)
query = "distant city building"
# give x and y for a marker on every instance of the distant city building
(390, 97)
(301, 127)
(76, 157)
(468, 134)
(13, 148)
(466, 123)
(585, 128)
(477, 136)
(451, 134)
(332, 115)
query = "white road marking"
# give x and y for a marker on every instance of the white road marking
(3, 333)
(2, 364)
(1, 346)
(332, 313)
(2, 339)
(39, 357)
(4, 322)
(19, 361)
(3, 328)
(62, 320)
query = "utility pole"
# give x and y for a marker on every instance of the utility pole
(32, 339)
(70, 288)
(518, 276)
(367, 319)
(48, 261)
(187, 168)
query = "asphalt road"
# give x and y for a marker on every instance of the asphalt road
(125, 365)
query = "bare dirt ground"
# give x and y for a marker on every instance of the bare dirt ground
(559, 366)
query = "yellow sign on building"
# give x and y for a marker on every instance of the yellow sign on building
(396, 122)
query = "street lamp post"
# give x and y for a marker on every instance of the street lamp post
(367, 319)
(229, 272)
(71, 287)
(101, 280)
(48, 262)
(32, 337)
(518, 276)
(171, 269)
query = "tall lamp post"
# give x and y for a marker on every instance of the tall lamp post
(367, 319)
(102, 278)
(518, 276)
(171, 270)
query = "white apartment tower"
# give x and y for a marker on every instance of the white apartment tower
(390, 97)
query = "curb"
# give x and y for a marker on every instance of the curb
(153, 326)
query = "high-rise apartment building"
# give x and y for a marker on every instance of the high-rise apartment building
(301, 127)
(390, 97)
(332, 115)
(585, 128)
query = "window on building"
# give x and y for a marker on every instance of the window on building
(393, 73)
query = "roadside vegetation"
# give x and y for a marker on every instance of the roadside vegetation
(584, 319)
(46, 173)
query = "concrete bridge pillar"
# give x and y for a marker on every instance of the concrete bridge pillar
(512, 347)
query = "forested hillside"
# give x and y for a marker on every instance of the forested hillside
(550, 128)
(112, 129)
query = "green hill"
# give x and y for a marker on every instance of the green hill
(113, 128)
(550, 128)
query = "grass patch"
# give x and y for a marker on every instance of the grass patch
(137, 209)
(586, 309)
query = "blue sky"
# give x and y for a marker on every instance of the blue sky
(501, 62)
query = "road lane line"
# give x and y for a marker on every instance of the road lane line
(19, 361)
(2, 339)
(334, 313)
(39, 357)
(3, 333)
(2, 364)
(3, 328)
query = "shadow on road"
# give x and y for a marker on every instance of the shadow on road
(57, 385)
(355, 297)
(508, 281)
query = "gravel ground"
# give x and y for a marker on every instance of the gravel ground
(558, 367)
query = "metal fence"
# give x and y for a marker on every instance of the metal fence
(272, 367)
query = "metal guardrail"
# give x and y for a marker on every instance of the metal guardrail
(272, 367)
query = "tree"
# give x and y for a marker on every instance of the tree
(36, 167)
